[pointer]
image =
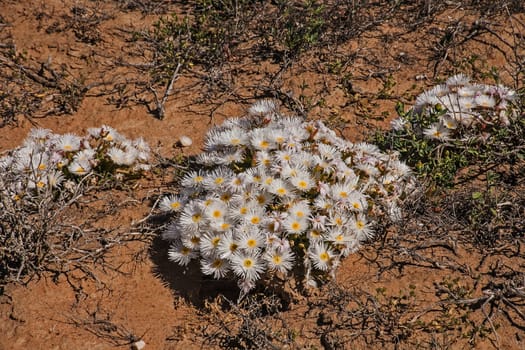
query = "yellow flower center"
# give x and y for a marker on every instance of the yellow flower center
(252, 243)
(315, 234)
(324, 256)
(247, 263)
(277, 260)
(255, 220)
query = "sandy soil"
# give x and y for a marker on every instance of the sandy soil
(150, 298)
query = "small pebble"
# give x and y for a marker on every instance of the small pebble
(138, 345)
(185, 141)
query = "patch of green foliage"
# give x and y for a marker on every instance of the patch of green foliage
(439, 162)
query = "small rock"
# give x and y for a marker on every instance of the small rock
(185, 141)
(138, 345)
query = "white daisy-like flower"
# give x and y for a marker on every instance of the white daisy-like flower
(227, 245)
(328, 152)
(263, 159)
(399, 124)
(85, 156)
(55, 178)
(260, 139)
(324, 203)
(193, 179)
(215, 266)
(217, 179)
(79, 168)
(278, 136)
(283, 157)
(357, 201)
(239, 208)
(254, 216)
(338, 236)
(485, 101)
(234, 137)
(39, 134)
(318, 221)
(361, 227)
(262, 198)
(68, 143)
(181, 254)
(300, 209)
(251, 239)
(108, 133)
(279, 260)
(216, 211)
(315, 235)
(142, 146)
(425, 100)
(280, 188)
(236, 184)
(458, 80)
(263, 107)
(467, 103)
(233, 156)
(302, 181)
(295, 225)
(172, 203)
(449, 122)
(321, 256)
(437, 132)
(247, 266)
(467, 91)
(118, 156)
(337, 218)
(192, 217)
(191, 241)
(209, 244)
(222, 225)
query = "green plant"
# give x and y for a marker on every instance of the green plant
(457, 125)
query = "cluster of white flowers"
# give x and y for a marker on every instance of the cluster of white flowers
(466, 109)
(271, 192)
(46, 159)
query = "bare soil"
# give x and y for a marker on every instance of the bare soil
(398, 281)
